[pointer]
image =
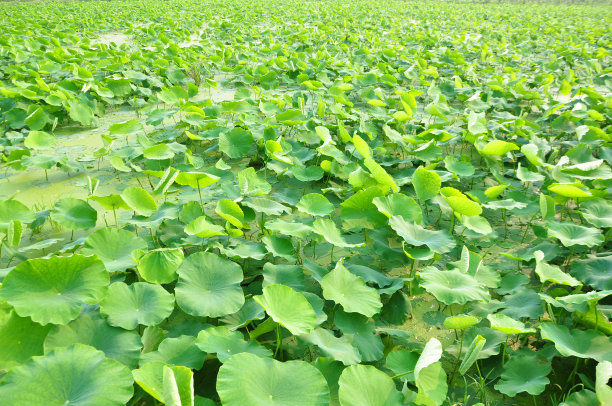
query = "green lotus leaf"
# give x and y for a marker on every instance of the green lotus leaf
(327, 229)
(603, 373)
(350, 291)
(250, 311)
(463, 205)
(460, 322)
(226, 343)
(498, 148)
(196, 180)
(81, 112)
(431, 383)
(176, 351)
(125, 127)
(231, 212)
(426, 183)
(402, 362)
(477, 224)
(459, 168)
(139, 200)
(364, 385)
(11, 210)
(359, 210)
(75, 214)
(52, 290)
(307, 173)
(578, 343)
(524, 374)
(401, 205)
(159, 152)
(363, 332)
(315, 204)
(160, 265)
(594, 271)
(294, 229)
(89, 329)
(21, 339)
(241, 248)
(171, 385)
(248, 379)
(508, 325)
(203, 228)
(569, 190)
(597, 212)
(252, 185)
(571, 234)
(437, 241)
(280, 247)
(472, 353)
(506, 204)
(114, 247)
(338, 348)
(75, 375)
(127, 306)
(288, 308)
(236, 142)
(283, 274)
(37, 120)
(553, 273)
(39, 140)
(118, 163)
(266, 206)
(111, 202)
(452, 286)
(209, 286)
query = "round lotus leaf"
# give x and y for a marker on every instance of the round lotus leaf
(289, 308)
(439, 241)
(160, 265)
(226, 343)
(246, 379)
(77, 375)
(426, 183)
(13, 210)
(571, 234)
(52, 290)
(171, 385)
(74, 214)
(315, 204)
(578, 343)
(365, 385)
(508, 325)
(21, 339)
(39, 140)
(209, 285)
(178, 351)
(351, 291)
(460, 322)
(235, 143)
(524, 374)
(88, 329)
(231, 212)
(594, 271)
(127, 306)
(114, 247)
(452, 286)
(139, 200)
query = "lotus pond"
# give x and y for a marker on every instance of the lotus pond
(305, 203)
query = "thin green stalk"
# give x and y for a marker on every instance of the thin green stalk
(279, 340)
(504, 350)
(450, 381)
